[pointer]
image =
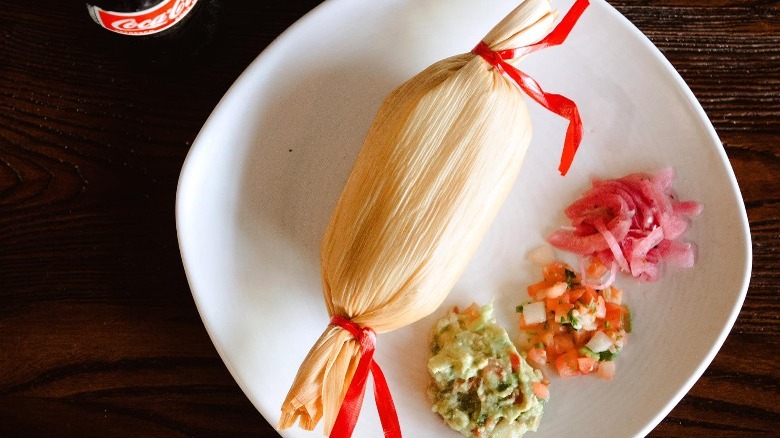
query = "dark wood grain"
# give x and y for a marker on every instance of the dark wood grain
(99, 335)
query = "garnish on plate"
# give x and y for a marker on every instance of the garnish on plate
(632, 223)
(574, 327)
(481, 385)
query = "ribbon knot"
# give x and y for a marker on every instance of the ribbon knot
(353, 399)
(493, 57)
(556, 103)
(365, 335)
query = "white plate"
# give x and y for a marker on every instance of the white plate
(265, 171)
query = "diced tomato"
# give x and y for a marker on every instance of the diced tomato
(567, 364)
(556, 327)
(588, 296)
(537, 357)
(552, 303)
(581, 337)
(575, 294)
(614, 315)
(535, 288)
(514, 359)
(606, 370)
(554, 272)
(471, 312)
(551, 353)
(541, 391)
(545, 337)
(562, 342)
(562, 311)
(586, 364)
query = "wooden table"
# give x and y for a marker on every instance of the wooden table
(98, 331)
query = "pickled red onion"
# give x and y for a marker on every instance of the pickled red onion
(632, 222)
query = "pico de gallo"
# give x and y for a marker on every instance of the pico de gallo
(575, 328)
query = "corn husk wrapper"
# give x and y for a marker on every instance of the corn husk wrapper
(441, 156)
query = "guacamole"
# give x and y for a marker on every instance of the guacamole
(481, 386)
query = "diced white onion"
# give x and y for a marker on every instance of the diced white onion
(556, 290)
(534, 313)
(588, 322)
(599, 342)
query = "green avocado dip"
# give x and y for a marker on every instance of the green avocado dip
(481, 386)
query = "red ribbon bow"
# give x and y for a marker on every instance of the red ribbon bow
(353, 400)
(556, 103)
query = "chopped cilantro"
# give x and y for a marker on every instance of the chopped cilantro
(539, 345)
(607, 356)
(570, 277)
(573, 320)
(519, 309)
(470, 403)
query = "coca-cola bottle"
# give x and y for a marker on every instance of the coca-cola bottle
(165, 31)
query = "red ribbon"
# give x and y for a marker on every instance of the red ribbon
(353, 400)
(554, 102)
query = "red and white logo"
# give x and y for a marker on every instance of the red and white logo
(155, 19)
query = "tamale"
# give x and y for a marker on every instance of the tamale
(442, 154)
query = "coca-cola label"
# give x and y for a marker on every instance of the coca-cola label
(155, 19)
